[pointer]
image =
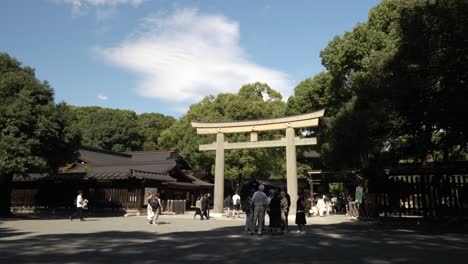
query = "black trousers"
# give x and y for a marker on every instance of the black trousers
(197, 212)
(205, 214)
(79, 212)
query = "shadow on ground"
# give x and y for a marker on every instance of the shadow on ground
(343, 243)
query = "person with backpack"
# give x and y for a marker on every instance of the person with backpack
(154, 208)
(227, 205)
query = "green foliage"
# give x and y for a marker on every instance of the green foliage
(35, 133)
(109, 129)
(151, 125)
(121, 130)
(394, 88)
(253, 101)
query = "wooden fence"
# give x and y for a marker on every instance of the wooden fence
(113, 195)
(429, 196)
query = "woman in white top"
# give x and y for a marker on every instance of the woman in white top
(149, 210)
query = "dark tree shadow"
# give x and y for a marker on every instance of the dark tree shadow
(340, 243)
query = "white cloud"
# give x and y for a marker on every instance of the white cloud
(102, 97)
(185, 56)
(79, 7)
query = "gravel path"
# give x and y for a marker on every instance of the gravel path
(180, 239)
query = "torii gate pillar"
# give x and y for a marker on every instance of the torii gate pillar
(219, 174)
(291, 167)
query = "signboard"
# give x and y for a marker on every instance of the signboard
(149, 190)
(359, 191)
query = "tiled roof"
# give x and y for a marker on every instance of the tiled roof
(157, 167)
(97, 176)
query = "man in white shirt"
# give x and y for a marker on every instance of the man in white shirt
(236, 201)
(79, 206)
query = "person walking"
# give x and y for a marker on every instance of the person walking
(321, 205)
(80, 203)
(275, 212)
(227, 205)
(284, 205)
(248, 210)
(259, 202)
(270, 197)
(154, 204)
(205, 203)
(308, 206)
(236, 202)
(149, 210)
(198, 208)
(300, 212)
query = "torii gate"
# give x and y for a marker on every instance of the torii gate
(290, 142)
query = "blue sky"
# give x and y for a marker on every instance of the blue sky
(161, 56)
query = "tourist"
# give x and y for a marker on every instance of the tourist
(300, 212)
(236, 202)
(227, 205)
(270, 197)
(274, 209)
(328, 206)
(321, 205)
(156, 207)
(205, 203)
(208, 200)
(284, 205)
(248, 210)
(198, 208)
(149, 210)
(259, 201)
(308, 206)
(80, 203)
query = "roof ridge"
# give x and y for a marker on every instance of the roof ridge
(122, 154)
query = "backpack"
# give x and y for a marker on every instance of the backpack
(153, 202)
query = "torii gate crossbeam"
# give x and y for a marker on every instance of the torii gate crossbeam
(253, 127)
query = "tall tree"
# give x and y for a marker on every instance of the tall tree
(35, 133)
(109, 129)
(394, 87)
(253, 101)
(151, 125)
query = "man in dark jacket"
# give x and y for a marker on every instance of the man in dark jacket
(204, 207)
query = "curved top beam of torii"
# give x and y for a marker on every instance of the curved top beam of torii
(297, 121)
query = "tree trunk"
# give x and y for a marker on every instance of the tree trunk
(5, 194)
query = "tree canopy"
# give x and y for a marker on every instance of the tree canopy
(394, 87)
(120, 130)
(253, 101)
(35, 133)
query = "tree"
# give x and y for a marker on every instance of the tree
(394, 87)
(35, 133)
(151, 125)
(109, 129)
(253, 101)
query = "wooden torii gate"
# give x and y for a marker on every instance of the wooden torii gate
(253, 127)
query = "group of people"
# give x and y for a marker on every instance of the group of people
(202, 206)
(233, 204)
(322, 205)
(277, 206)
